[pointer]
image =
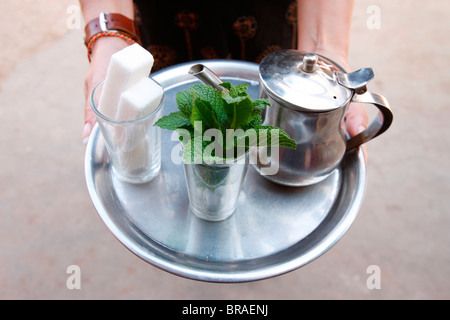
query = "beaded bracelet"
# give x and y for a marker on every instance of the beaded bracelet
(106, 34)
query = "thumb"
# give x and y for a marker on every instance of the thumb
(356, 119)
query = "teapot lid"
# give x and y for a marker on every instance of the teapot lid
(303, 81)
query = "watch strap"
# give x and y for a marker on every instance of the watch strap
(111, 22)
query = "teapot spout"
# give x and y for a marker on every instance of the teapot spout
(356, 80)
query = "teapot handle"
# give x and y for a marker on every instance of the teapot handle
(379, 125)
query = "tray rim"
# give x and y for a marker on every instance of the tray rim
(155, 259)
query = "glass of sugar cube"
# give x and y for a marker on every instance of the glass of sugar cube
(134, 145)
(127, 104)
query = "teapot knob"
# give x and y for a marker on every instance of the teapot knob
(309, 62)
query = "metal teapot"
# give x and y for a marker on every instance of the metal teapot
(309, 95)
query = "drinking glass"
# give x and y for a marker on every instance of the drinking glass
(134, 146)
(214, 189)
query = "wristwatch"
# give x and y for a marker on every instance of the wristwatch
(112, 22)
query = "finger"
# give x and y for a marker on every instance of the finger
(89, 121)
(94, 76)
(356, 119)
(103, 50)
(89, 117)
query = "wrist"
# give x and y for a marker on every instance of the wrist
(92, 8)
(340, 57)
(110, 25)
(328, 51)
(107, 46)
(107, 34)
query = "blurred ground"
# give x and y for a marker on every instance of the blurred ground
(48, 222)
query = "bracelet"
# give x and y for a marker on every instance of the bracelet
(106, 34)
(110, 25)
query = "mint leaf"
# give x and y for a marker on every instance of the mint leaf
(268, 136)
(207, 93)
(255, 120)
(238, 109)
(230, 88)
(174, 121)
(241, 89)
(260, 104)
(185, 102)
(241, 140)
(210, 94)
(193, 150)
(202, 111)
(185, 134)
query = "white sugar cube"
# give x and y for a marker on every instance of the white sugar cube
(126, 68)
(137, 102)
(126, 137)
(137, 159)
(140, 100)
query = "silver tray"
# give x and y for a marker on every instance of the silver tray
(275, 229)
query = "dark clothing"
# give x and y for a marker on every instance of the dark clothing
(177, 31)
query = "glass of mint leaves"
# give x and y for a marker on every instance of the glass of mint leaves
(218, 129)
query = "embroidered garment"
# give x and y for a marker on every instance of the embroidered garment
(178, 31)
